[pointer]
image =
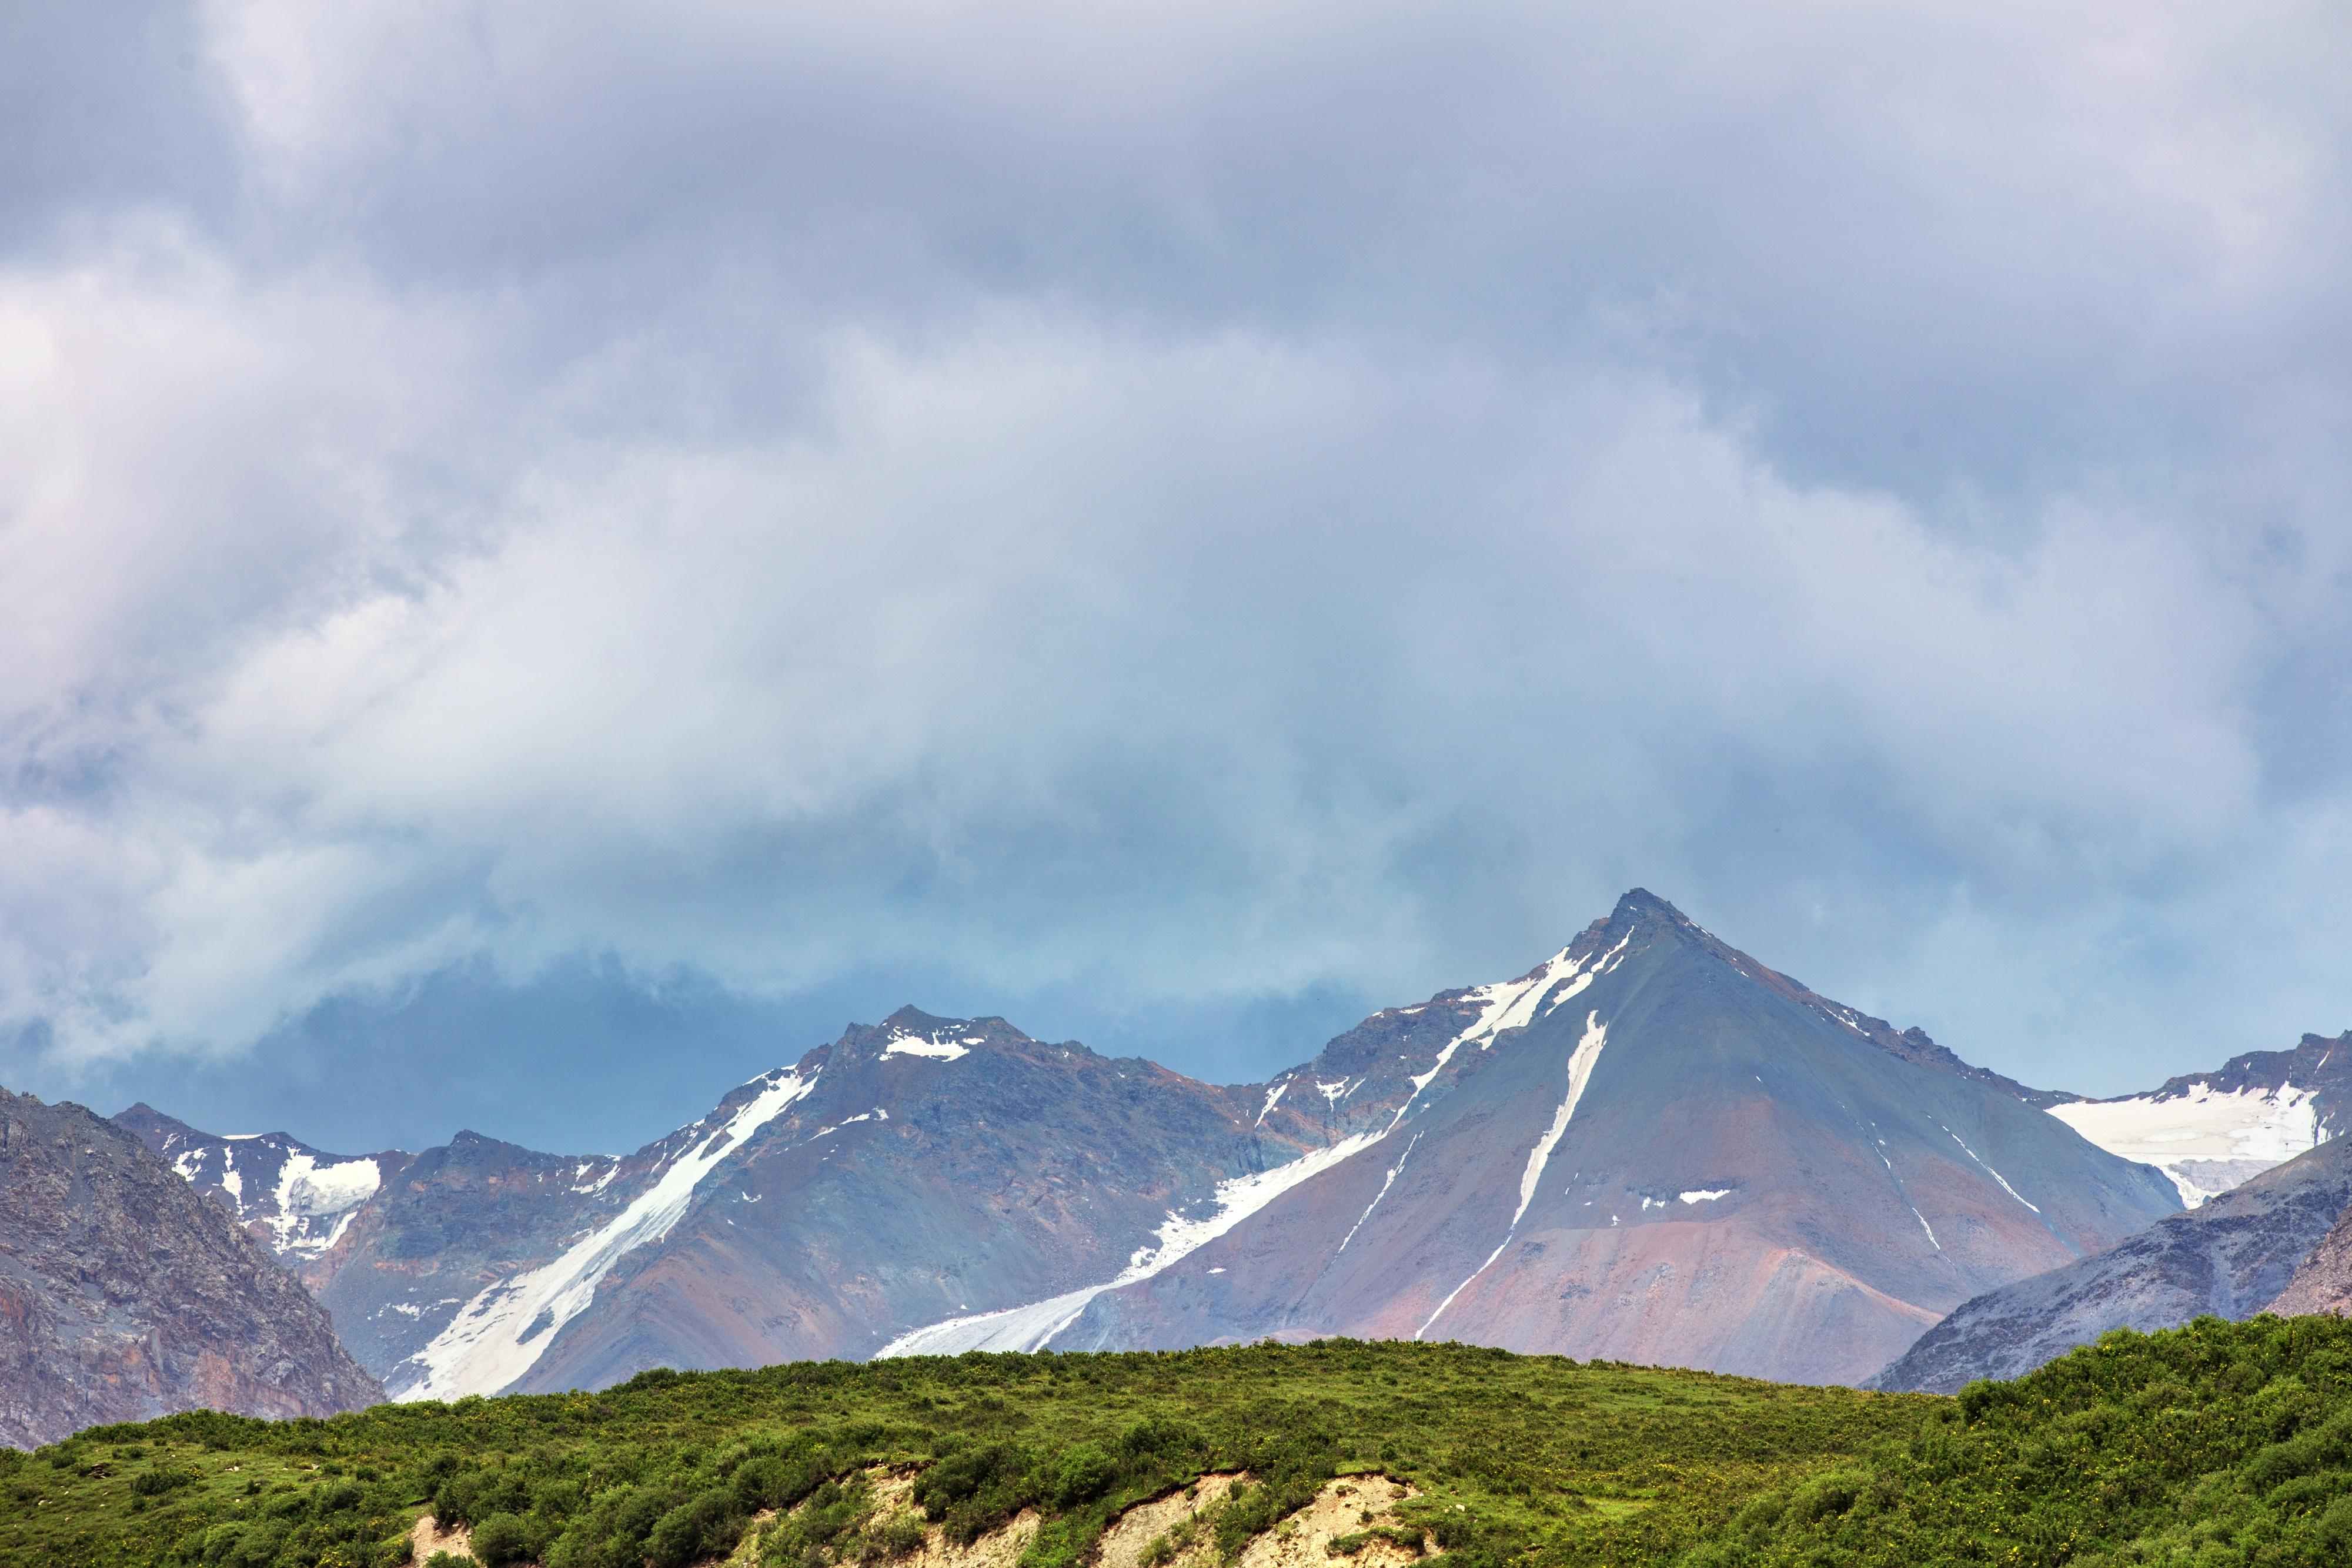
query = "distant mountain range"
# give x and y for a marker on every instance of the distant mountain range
(1650, 1147)
(124, 1295)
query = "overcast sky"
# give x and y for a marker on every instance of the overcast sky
(553, 555)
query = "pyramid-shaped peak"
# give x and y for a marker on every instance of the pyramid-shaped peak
(1642, 914)
(1641, 901)
(1640, 905)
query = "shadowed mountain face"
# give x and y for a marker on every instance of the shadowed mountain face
(1651, 1148)
(125, 1295)
(2275, 1243)
(456, 1219)
(288, 1196)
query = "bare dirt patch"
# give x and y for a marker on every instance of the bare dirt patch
(1347, 1505)
(427, 1537)
(1000, 1548)
(893, 1497)
(1127, 1544)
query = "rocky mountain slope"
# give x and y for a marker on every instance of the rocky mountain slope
(124, 1294)
(2210, 1131)
(2248, 1250)
(289, 1196)
(920, 1169)
(2323, 1280)
(457, 1220)
(1652, 1148)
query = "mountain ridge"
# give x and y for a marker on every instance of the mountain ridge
(2210, 1131)
(302, 1197)
(929, 1183)
(127, 1294)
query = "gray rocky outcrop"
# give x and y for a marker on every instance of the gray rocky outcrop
(125, 1294)
(2243, 1253)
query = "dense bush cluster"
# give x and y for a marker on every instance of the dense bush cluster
(2215, 1445)
(1521, 1461)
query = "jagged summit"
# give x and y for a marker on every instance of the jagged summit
(293, 1198)
(2317, 1064)
(912, 1033)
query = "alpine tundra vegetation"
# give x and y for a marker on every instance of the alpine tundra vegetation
(2212, 1445)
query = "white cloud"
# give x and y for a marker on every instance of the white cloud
(1186, 501)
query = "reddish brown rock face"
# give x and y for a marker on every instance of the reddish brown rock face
(125, 1295)
(1656, 1149)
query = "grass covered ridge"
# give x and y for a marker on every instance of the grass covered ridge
(1602, 1463)
(2209, 1446)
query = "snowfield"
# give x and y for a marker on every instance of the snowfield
(930, 1045)
(2206, 1141)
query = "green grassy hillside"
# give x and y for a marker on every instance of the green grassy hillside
(2220, 1444)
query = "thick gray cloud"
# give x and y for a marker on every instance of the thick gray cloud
(1184, 520)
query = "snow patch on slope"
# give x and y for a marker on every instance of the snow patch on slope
(1512, 1004)
(1034, 1326)
(2206, 1141)
(498, 1335)
(1581, 1063)
(302, 1205)
(930, 1045)
(1989, 1171)
(312, 1190)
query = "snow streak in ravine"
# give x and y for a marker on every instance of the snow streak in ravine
(1581, 1063)
(498, 1335)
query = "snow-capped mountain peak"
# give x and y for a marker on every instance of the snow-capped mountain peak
(294, 1199)
(2209, 1131)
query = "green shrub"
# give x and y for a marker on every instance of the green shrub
(1080, 1473)
(707, 1526)
(974, 1491)
(157, 1480)
(503, 1538)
